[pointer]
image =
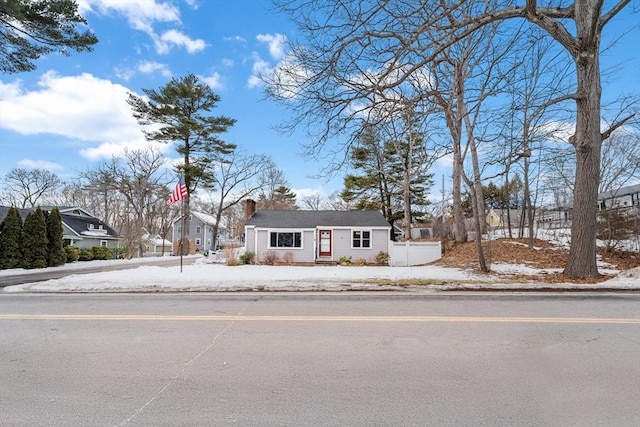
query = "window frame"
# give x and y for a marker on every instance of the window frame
(299, 241)
(361, 239)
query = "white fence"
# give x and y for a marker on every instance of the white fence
(405, 254)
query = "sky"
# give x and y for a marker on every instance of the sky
(70, 113)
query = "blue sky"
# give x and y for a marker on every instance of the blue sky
(71, 113)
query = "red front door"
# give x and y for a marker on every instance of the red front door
(325, 242)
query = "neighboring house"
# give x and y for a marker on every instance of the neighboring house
(200, 232)
(559, 217)
(155, 244)
(317, 236)
(625, 197)
(79, 227)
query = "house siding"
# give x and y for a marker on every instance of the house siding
(342, 244)
(205, 235)
(304, 254)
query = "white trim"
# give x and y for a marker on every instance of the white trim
(285, 231)
(362, 230)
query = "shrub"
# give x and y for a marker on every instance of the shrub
(85, 254)
(248, 258)
(288, 258)
(382, 258)
(360, 261)
(34, 240)
(11, 240)
(73, 253)
(345, 260)
(101, 252)
(270, 258)
(56, 254)
(230, 254)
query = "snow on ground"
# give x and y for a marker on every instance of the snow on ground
(206, 275)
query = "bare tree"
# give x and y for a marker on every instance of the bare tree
(233, 178)
(139, 181)
(311, 202)
(348, 38)
(27, 187)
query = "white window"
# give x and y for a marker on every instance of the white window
(288, 239)
(197, 242)
(103, 243)
(198, 229)
(361, 239)
(90, 226)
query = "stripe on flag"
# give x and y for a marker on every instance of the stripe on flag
(179, 193)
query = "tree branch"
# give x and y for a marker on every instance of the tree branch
(613, 12)
(606, 134)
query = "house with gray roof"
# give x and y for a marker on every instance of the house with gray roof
(200, 232)
(622, 198)
(79, 227)
(316, 236)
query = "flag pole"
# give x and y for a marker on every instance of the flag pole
(180, 193)
(181, 233)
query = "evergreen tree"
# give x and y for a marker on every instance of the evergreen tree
(33, 28)
(180, 113)
(381, 164)
(56, 254)
(282, 198)
(34, 242)
(372, 188)
(11, 240)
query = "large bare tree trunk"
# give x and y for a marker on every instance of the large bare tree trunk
(588, 143)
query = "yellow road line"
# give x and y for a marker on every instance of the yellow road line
(241, 318)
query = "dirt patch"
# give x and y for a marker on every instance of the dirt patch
(544, 255)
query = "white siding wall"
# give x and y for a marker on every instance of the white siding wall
(342, 244)
(257, 241)
(304, 254)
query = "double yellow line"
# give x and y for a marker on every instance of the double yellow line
(300, 318)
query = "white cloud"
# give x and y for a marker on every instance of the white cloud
(124, 73)
(288, 77)
(39, 164)
(555, 130)
(193, 4)
(276, 44)
(176, 38)
(214, 81)
(235, 39)
(143, 16)
(91, 111)
(148, 67)
(260, 68)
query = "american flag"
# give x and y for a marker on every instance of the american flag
(179, 193)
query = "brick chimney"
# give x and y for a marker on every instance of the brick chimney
(249, 208)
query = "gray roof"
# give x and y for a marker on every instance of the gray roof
(75, 223)
(313, 219)
(620, 192)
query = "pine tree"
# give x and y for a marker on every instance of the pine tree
(30, 29)
(56, 254)
(180, 113)
(11, 240)
(34, 247)
(282, 198)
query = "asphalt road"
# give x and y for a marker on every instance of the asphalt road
(53, 273)
(320, 360)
